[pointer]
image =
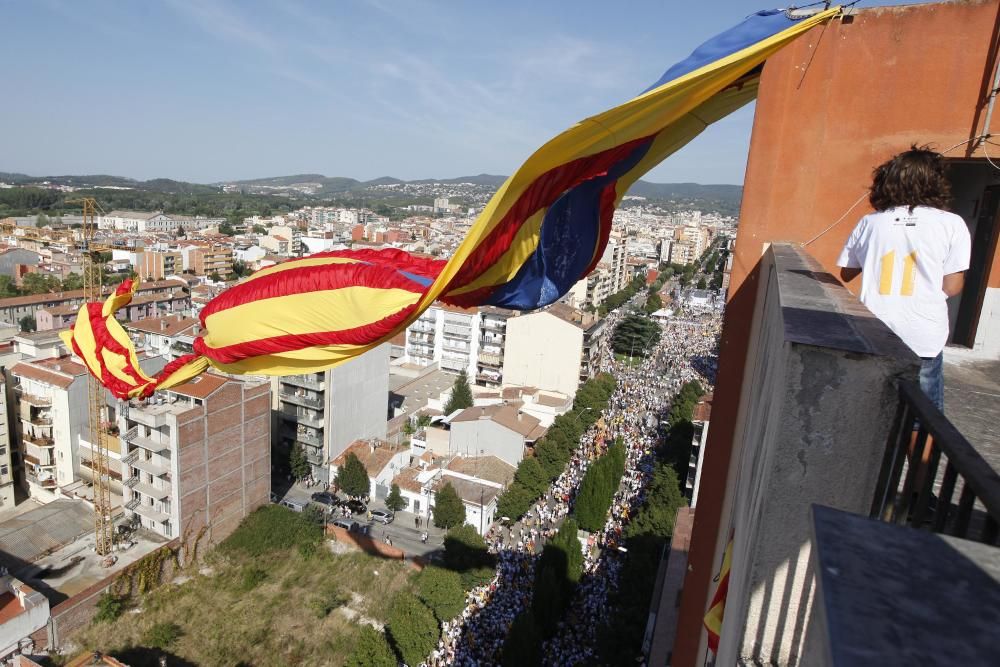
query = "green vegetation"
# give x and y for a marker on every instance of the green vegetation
(395, 501)
(306, 610)
(636, 335)
(676, 448)
(619, 642)
(465, 552)
(297, 462)
(162, 635)
(27, 323)
(653, 303)
(553, 452)
(461, 395)
(598, 488)
(622, 296)
(352, 478)
(412, 628)
(269, 529)
(441, 590)
(523, 647)
(110, 607)
(558, 571)
(372, 650)
(448, 508)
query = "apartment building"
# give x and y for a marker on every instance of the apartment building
(697, 236)
(51, 407)
(158, 264)
(169, 336)
(681, 253)
(14, 308)
(556, 364)
(143, 222)
(208, 260)
(197, 456)
(449, 336)
(325, 412)
(492, 340)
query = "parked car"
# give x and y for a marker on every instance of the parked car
(294, 505)
(356, 506)
(325, 498)
(382, 516)
(348, 525)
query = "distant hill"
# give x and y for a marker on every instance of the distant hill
(723, 197)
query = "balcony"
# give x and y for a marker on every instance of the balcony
(39, 455)
(33, 399)
(460, 330)
(455, 346)
(150, 490)
(156, 445)
(148, 512)
(302, 418)
(148, 465)
(308, 381)
(45, 483)
(302, 400)
(828, 411)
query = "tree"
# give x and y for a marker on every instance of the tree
(372, 650)
(241, 269)
(653, 303)
(514, 501)
(465, 552)
(215, 277)
(566, 540)
(40, 283)
(523, 646)
(180, 231)
(551, 458)
(658, 511)
(226, 229)
(259, 229)
(352, 478)
(635, 335)
(297, 462)
(598, 488)
(449, 511)
(27, 323)
(461, 395)
(531, 476)
(412, 628)
(701, 283)
(441, 590)
(395, 501)
(8, 287)
(72, 281)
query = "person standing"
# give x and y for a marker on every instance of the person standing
(912, 255)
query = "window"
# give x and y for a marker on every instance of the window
(4, 471)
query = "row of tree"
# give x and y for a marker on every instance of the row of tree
(597, 490)
(553, 452)
(676, 448)
(622, 296)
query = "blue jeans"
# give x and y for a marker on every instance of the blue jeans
(932, 379)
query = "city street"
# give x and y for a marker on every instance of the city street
(402, 531)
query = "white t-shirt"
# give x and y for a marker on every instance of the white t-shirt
(903, 259)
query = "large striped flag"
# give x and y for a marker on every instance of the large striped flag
(545, 228)
(717, 609)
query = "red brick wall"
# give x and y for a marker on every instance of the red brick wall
(225, 460)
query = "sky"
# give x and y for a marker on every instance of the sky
(213, 90)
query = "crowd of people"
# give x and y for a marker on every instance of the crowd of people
(642, 396)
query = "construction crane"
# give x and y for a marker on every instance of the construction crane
(92, 292)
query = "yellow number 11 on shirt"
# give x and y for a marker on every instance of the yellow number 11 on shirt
(888, 268)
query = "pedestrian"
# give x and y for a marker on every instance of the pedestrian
(912, 255)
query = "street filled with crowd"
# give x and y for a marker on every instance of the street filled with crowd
(686, 351)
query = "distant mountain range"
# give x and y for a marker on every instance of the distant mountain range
(318, 185)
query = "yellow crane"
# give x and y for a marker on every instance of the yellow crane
(92, 292)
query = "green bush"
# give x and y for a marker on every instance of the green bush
(162, 635)
(412, 628)
(372, 650)
(465, 549)
(327, 598)
(514, 501)
(441, 590)
(250, 578)
(269, 529)
(531, 476)
(109, 607)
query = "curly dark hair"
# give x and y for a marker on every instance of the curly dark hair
(917, 177)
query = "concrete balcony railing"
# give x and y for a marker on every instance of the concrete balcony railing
(308, 401)
(308, 381)
(819, 392)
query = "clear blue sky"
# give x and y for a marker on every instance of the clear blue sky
(209, 90)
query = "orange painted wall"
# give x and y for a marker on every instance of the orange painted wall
(832, 106)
